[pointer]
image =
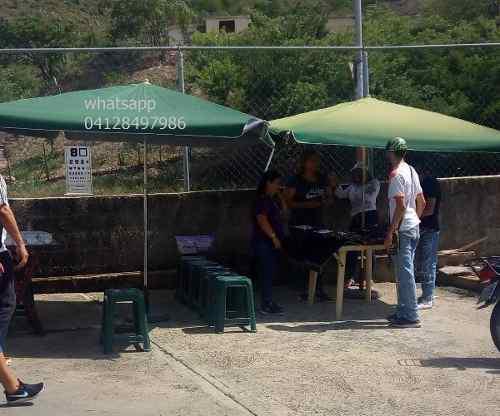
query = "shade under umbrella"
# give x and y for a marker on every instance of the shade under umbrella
(369, 122)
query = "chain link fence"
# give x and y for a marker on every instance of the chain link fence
(265, 83)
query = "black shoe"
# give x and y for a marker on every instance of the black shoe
(405, 323)
(25, 393)
(271, 308)
(277, 308)
(393, 317)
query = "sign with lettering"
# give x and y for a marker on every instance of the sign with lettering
(78, 170)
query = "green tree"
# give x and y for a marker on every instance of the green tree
(456, 10)
(37, 31)
(146, 22)
(275, 83)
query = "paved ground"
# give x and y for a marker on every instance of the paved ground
(300, 364)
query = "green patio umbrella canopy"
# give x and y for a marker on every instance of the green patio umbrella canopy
(142, 113)
(369, 122)
(132, 113)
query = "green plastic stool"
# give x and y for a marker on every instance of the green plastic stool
(182, 293)
(206, 295)
(244, 315)
(200, 285)
(140, 334)
(195, 271)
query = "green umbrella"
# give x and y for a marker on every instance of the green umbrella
(369, 122)
(132, 113)
(138, 113)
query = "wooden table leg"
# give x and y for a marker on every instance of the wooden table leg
(341, 260)
(369, 274)
(313, 281)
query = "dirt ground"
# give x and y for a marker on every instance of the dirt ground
(303, 363)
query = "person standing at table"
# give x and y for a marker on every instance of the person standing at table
(362, 193)
(268, 235)
(306, 193)
(406, 205)
(15, 390)
(426, 256)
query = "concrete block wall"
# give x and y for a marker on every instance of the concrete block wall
(104, 234)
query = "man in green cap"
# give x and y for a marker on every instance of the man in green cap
(406, 205)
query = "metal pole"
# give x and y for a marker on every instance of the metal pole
(181, 88)
(145, 219)
(358, 14)
(360, 85)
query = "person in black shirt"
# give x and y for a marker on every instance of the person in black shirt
(426, 256)
(268, 235)
(306, 193)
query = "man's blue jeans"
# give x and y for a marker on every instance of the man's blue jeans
(426, 261)
(405, 272)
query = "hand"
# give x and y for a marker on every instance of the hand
(277, 243)
(2, 269)
(22, 256)
(388, 241)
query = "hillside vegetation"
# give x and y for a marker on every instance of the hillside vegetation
(269, 84)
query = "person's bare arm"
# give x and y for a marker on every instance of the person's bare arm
(10, 224)
(420, 205)
(266, 227)
(398, 217)
(430, 206)
(291, 203)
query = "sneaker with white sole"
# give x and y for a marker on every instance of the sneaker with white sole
(424, 304)
(25, 393)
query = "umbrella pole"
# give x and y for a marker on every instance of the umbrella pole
(145, 225)
(147, 299)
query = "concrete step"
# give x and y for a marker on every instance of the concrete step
(160, 279)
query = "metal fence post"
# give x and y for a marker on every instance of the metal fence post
(187, 150)
(358, 13)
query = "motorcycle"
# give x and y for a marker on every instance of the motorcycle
(488, 271)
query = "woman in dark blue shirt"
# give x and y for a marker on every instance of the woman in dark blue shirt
(268, 235)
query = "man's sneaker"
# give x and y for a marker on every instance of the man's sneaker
(392, 318)
(25, 393)
(424, 304)
(271, 309)
(405, 323)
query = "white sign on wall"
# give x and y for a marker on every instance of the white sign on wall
(78, 170)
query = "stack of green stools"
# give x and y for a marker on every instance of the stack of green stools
(140, 335)
(183, 274)
(195, 270)
(221, 296)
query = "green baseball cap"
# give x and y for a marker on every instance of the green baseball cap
(397, 145)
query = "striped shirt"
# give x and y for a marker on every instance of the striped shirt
(4, 200)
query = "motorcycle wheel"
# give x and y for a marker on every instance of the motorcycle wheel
(495, 325)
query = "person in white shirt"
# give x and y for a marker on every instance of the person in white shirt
(15, 390)
(406, 205)
(362, 183)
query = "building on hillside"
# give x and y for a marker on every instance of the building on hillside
(237, 24)
(229, 24)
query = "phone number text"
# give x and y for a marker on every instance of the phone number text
(138, 123)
